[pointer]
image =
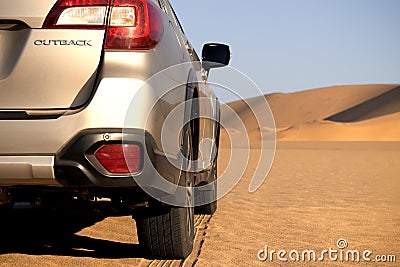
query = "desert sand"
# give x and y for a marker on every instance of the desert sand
(336, 175)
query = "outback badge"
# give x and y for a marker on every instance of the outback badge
(63, 42)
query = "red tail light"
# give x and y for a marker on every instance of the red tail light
(146, 31)
(129, 24)
(119, 158)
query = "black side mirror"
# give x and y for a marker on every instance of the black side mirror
(215, 56)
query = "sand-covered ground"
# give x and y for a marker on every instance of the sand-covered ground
(315, 194)
(336, 175)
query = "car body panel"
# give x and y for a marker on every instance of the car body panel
(48, 69)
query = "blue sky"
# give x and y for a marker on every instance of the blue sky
(291, 45)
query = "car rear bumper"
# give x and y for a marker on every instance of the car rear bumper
(27, 167)
(27, 170)
(76, 167)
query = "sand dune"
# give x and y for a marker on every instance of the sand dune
(342, 113)
(385, 128)
(384, 104)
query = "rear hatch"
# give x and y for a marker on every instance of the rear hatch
(44, 66)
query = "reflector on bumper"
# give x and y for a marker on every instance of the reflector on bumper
(120, 158)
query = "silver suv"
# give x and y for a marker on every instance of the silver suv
(107, 99)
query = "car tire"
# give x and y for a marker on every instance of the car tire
(164, 231)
